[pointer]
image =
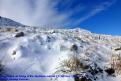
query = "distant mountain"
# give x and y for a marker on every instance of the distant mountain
(8, 22)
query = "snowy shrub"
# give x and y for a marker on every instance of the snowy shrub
(110, 71)
(9, 30)
(78, 38)
(1, 68)
(118, 49)
(116, 63)
(80, 70)
(75, 67)
(89, 74)
(2, 71)
(14, 30)
(72, 65)
(85, 76)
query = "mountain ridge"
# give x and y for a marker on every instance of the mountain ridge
(9, 22)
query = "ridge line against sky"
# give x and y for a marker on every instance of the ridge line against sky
(59, 13)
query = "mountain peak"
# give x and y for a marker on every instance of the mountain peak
(9, 22)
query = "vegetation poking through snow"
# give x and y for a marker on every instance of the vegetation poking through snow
(118, 49)
(116, 63)
(73, 65)
(80, 77)
(110, 71)
(81, 71)
(2, 70)
(9, 29)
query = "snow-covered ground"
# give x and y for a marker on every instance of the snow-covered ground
(43, 51)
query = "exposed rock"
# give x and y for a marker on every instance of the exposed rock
(20, 34)
(74, 48)
(110, 71)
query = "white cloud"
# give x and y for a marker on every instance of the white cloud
(42, 12)
(21, 11)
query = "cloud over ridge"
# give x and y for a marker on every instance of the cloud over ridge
(53, 13)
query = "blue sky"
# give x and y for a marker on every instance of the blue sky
(106, 22)
(99, 16)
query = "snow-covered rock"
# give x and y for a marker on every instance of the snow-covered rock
(62, 52)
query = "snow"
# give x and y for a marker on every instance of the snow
(8, 22)
(42, 50)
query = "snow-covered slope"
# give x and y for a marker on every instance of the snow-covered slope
(41, 51)
(8, 22)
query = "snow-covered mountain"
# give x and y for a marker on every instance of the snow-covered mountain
(8, 22)
(43, 54)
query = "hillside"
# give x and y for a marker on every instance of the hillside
(8, 22)
(69, 54)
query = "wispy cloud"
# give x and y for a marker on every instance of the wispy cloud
(44, 12)
(97, 9)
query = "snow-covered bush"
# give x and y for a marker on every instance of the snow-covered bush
(2, 71)
(75, 65)
(116, 49)
(80, 70)
(116, 63)
(72, 65)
